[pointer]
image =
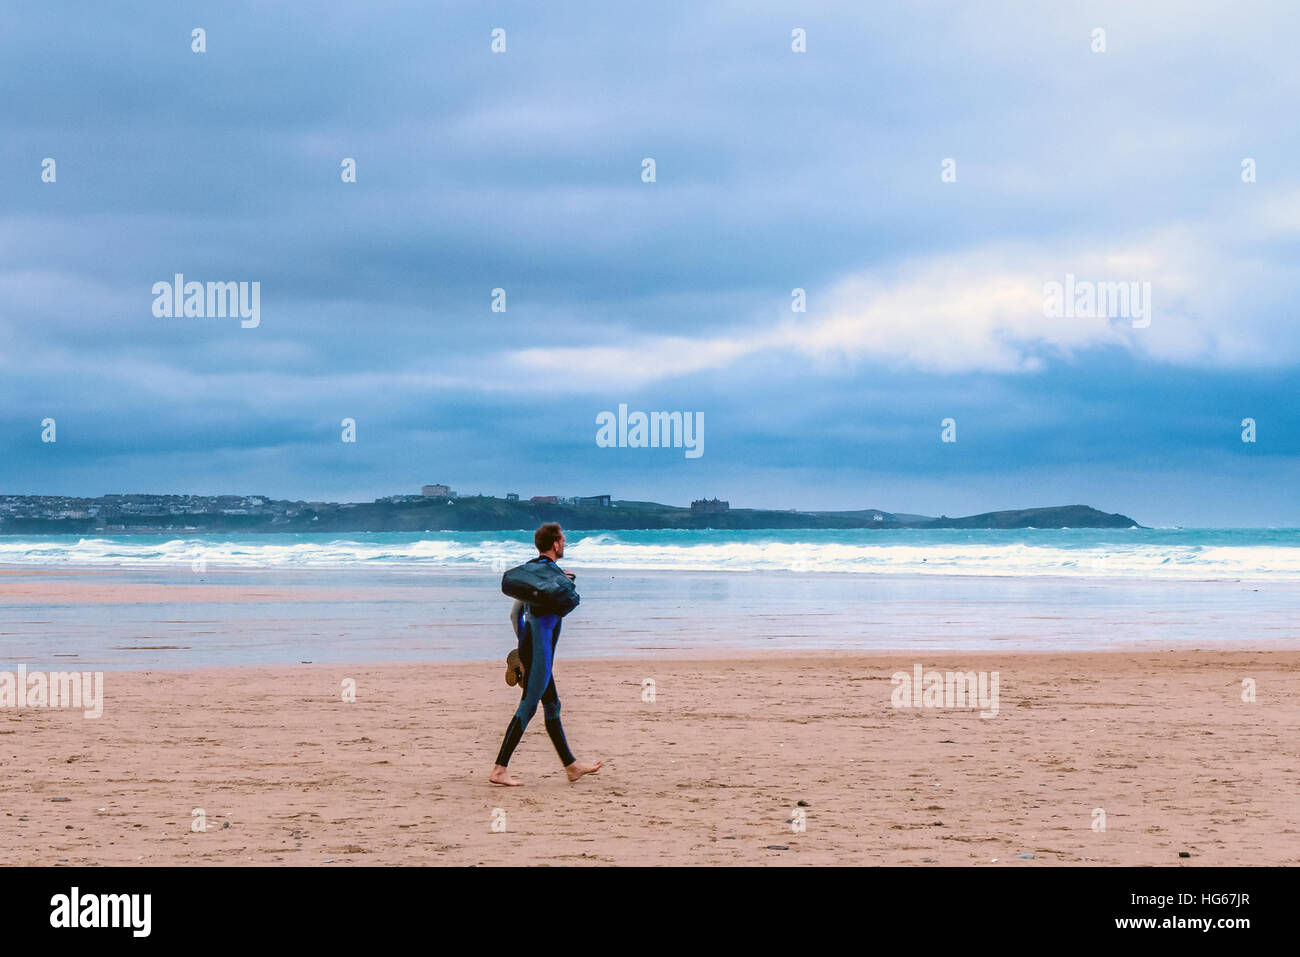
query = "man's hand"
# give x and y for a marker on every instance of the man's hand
(572, 577)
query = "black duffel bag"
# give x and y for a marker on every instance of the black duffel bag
(541, 584)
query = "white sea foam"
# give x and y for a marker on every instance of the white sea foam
(691, 551)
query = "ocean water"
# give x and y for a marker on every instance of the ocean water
(647, 594)
(1134, 553)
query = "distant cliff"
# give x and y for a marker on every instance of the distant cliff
(484, 513)
(1060, 516)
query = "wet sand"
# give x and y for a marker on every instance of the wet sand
(139, 618)
(709, 772)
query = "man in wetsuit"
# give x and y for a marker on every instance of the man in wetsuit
(537, 636)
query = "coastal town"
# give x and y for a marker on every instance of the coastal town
(440, 508)
(139, 511)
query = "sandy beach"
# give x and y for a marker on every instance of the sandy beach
(709, 772)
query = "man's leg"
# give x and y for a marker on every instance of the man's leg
(551, 712)
(538, 664)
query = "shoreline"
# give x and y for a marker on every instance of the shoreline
(176, 618)
(704, 656)
(487, 570)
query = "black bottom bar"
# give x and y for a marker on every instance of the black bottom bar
(950, 906)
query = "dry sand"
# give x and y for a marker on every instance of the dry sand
(708, 773)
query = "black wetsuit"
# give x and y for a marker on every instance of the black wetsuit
(538, 635)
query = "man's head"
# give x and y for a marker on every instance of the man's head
(549, 540)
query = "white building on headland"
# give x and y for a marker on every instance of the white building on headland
(436, 491)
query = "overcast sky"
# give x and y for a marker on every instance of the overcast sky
(774, 170)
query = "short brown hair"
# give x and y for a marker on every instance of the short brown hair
(546, 536)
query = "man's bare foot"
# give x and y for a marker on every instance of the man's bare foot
(576, 770)
(501, 775)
